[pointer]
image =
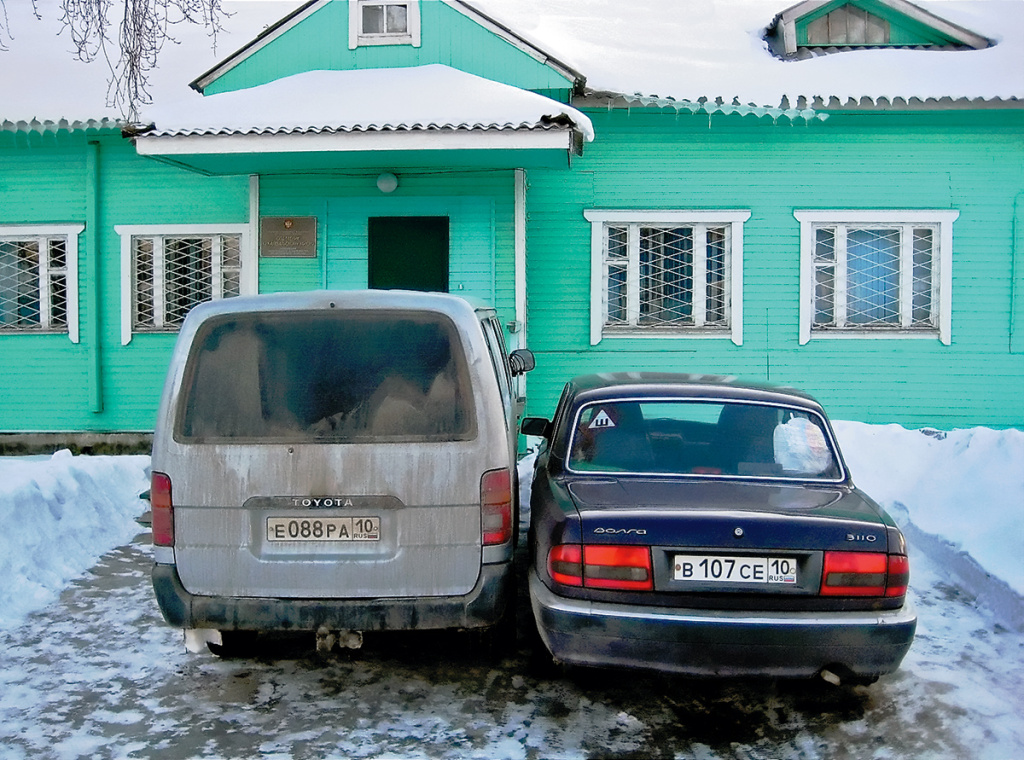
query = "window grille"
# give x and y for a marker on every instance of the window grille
(667, 275)
(174, 273)
(876, 273)
(875, 277)
(34, 283)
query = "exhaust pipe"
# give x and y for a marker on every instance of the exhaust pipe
(344, 639)
(830, 677)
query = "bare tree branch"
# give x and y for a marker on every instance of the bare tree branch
(130, 49)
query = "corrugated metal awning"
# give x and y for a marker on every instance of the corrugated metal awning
(424, 108)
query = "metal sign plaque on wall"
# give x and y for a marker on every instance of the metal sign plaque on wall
(292, 237)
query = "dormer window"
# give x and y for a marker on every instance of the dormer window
(816, 27)
(384, 22)
(848, 25)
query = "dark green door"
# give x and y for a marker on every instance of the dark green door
(408, 252)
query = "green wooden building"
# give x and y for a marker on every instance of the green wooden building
(829, 195)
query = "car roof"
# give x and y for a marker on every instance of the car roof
(451, 305)
(608, 385)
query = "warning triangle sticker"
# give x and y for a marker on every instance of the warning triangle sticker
(602, 421)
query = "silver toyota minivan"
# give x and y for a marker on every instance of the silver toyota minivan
(336, 462)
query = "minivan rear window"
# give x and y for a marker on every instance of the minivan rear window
(337, 377)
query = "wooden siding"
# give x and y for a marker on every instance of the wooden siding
(320, 42)
(479, 204)
(903, 30)
(46, 382)
(648, 160)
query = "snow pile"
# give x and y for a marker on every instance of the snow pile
(59, 515)
(966, 486)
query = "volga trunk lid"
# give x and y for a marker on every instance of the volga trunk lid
(730, 516)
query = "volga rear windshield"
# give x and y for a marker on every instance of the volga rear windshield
(702, 438)
(333, 377)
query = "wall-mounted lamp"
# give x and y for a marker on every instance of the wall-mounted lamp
(387, 182)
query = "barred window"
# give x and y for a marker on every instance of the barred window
(169, 274)
(39, 279)
(653, 273)
(883, 275)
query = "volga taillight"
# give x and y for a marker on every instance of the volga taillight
(163, 510)
(864, 574)
(624, 568)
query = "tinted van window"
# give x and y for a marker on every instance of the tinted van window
(345, 377)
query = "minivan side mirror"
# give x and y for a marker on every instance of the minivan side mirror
(537, 426)
(521, 361)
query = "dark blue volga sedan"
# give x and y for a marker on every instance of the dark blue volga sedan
(696, 525)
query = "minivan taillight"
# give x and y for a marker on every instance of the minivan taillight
(864, 574)
(624, 568)
(163, 510)
(496, 507)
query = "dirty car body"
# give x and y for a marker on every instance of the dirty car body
(695, 525)
(336, 462)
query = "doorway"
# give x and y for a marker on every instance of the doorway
(408, 252)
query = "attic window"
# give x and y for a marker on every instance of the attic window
(848, 25)
(813, 27)
(384, 22)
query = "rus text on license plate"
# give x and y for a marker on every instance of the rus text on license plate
(323, 529)
(702, 568)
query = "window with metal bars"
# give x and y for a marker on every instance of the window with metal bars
(39, 280)
(173, 273)
(667, 275)
(883, 275)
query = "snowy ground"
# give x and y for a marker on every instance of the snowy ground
(87, 667)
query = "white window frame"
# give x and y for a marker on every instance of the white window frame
(70, 233)
(601, 219)
(942, 268)
(356, 37)
(247, 278)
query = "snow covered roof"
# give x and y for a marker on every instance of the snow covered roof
(433, 97)
(711, 49)
(686, 50)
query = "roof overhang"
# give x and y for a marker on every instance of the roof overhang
(302, 153)
(341, 119)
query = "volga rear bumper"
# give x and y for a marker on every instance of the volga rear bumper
(722, 643)
(481, 607)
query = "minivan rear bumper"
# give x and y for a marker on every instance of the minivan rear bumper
(719, 642)
(481, 607)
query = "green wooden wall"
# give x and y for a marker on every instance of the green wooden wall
(972, 162)
(320, 42)
(479, 205)
(48, 383)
